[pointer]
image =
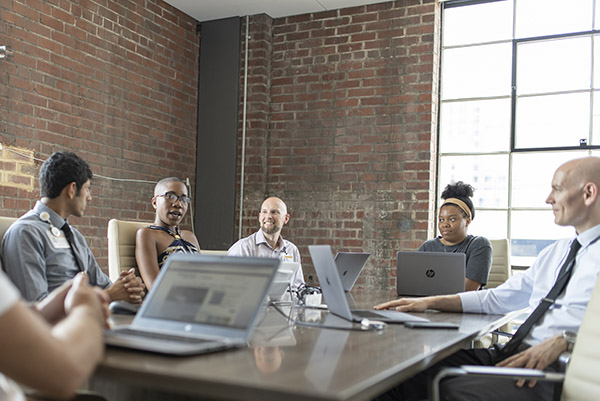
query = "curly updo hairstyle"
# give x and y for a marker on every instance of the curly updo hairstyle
(462, 191)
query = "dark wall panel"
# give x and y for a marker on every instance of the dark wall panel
(218, 99)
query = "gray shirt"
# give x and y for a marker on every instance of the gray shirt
(478, 251)
(38, 261)
(257, 245)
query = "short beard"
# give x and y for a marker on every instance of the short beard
(274, 230)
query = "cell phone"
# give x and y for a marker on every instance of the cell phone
(431, 325)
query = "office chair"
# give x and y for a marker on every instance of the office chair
(5, 222)
(121, 246)
(580, 381)
(212, 252)
(500, 270)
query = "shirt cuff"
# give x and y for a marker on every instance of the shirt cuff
(471, 302)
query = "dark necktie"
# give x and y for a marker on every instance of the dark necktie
(69, 236)
(561, 282)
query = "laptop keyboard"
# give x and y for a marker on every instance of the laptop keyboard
(366, 314)
(162, 336)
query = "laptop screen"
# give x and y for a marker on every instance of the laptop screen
(223, 293)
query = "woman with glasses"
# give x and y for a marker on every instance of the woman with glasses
(155, 243)
(456, 213)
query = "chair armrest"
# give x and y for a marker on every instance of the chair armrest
(494, 371)
(502, 333)
(563, 361)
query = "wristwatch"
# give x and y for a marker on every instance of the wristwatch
(570, 337)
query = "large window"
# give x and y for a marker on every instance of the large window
(519, 95)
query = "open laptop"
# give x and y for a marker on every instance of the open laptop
(283, 280)
(430, 273)
(331, 287)
(349, 265)
(199, 304)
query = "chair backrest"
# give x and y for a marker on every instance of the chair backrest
(581, 381)
(5, 222)
(501, 269)
(121, 246)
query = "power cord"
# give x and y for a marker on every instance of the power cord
(365, 324)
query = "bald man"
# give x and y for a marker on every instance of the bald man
(575, 202)
(268, 242)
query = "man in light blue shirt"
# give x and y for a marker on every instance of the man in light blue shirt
(268, 242)
(575, 201)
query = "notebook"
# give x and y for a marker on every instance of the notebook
(331, 287)
(349, 265)
(199, 304)
(430, 273)
(283, 279)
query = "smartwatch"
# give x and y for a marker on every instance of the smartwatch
(570, 337)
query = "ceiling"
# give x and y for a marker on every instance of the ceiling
(207, 10)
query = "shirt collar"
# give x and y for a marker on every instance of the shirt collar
(589, 236)
(260, 239)
(55, 218)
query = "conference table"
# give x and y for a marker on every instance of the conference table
(287, 361)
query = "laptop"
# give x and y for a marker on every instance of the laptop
(350, 264)
(430, 273)
(331, 287)
(283, 280)
(199, 304)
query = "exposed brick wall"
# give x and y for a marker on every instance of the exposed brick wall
(351, 130)
(113, 81)
(341, 115)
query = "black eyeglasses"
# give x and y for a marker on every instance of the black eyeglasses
(172, 198)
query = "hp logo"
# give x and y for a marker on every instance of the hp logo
(430, 273)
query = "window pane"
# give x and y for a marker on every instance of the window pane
(554, 65)
(532, 231)
(532, 176)
(476, 71)
(478, 23)
(489, 223)
(596, 120)
(487, 174)
(547, 17)
(596, 58)
(475, 126)
(552, 121)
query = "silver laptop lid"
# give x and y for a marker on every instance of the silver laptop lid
(349, 265)
(207, 295)
(430, 273)
(329, 280)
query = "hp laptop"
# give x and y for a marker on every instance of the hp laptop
(283, 280)
(331, 287)
(199, 304)
(350, 264)
(430, 273)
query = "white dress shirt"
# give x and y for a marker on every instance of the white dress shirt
(527, 289)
